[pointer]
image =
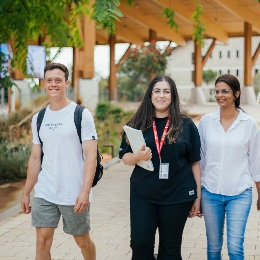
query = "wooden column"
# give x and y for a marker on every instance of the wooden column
(87, 52)
(152, 35)
(206, 57)
(112, 75)
(256, 54)
(83, 58)
(9, 98)
(123, 58)
(17, 74)
(247, 54)
(76, 73)
(197, 65)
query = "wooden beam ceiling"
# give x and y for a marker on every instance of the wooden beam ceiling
(240, 10)
(181, 10)
(149, 22)
(222, 19)
(127, 35)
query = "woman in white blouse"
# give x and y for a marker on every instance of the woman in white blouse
(230, 161)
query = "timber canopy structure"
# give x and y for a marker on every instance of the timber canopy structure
(143, 21)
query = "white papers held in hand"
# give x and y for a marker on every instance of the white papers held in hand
(136, 140)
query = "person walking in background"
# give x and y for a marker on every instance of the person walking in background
(165, 197)
(62, 178)
(230, 152)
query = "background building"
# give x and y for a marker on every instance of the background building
(225, 59)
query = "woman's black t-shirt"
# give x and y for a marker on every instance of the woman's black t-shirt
(181, 185)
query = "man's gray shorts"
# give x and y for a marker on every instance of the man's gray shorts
(47, 214)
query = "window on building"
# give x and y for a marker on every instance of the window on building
(192, 76)
(220, 54)
(237, 53)
(256, 71)
(220, 72)
(228, 72)
(192, 58)
(237, 73)
(228, 54)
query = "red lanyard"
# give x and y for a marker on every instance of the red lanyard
(159, 146)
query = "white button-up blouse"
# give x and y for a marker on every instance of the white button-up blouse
(230, 161)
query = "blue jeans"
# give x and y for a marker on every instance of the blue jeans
(215, 208)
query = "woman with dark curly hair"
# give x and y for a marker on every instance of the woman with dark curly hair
(165, 197)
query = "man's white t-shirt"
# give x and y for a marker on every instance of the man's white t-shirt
(61, 177)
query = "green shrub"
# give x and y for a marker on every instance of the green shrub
(109, 121)
(117, 114)
(102, 110)
(16, 117)
(13, 119)
(209, 75)
(14, 154)
(13, 161)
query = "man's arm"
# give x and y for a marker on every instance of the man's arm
(34, 167)
(90, 152)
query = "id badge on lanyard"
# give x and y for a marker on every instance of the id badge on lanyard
(164, 171)
(164, 167)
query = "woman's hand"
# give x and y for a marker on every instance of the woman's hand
(144, 154)
(195, 210)
(258, 192)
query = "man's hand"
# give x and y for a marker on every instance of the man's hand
(25, 204)
(81, 203)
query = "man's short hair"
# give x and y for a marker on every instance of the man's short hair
(54, 65)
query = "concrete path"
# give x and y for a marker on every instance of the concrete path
(110, 223)
(110, 228)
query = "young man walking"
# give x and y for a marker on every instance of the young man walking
(61, 169)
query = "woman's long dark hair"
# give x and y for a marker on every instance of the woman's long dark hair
(234, 84)
(144, 115)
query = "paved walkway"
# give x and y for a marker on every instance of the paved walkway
(110, 228)
(110, 224)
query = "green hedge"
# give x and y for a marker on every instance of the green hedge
(13, 161)
(109, 121)
(14, 154)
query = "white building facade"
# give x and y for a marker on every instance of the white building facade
(225, 58)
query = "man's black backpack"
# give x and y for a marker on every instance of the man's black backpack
(77, 121)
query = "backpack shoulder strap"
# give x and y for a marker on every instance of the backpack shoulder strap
(39, 121)
(78, 118)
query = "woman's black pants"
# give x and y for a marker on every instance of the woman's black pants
(146, 217)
